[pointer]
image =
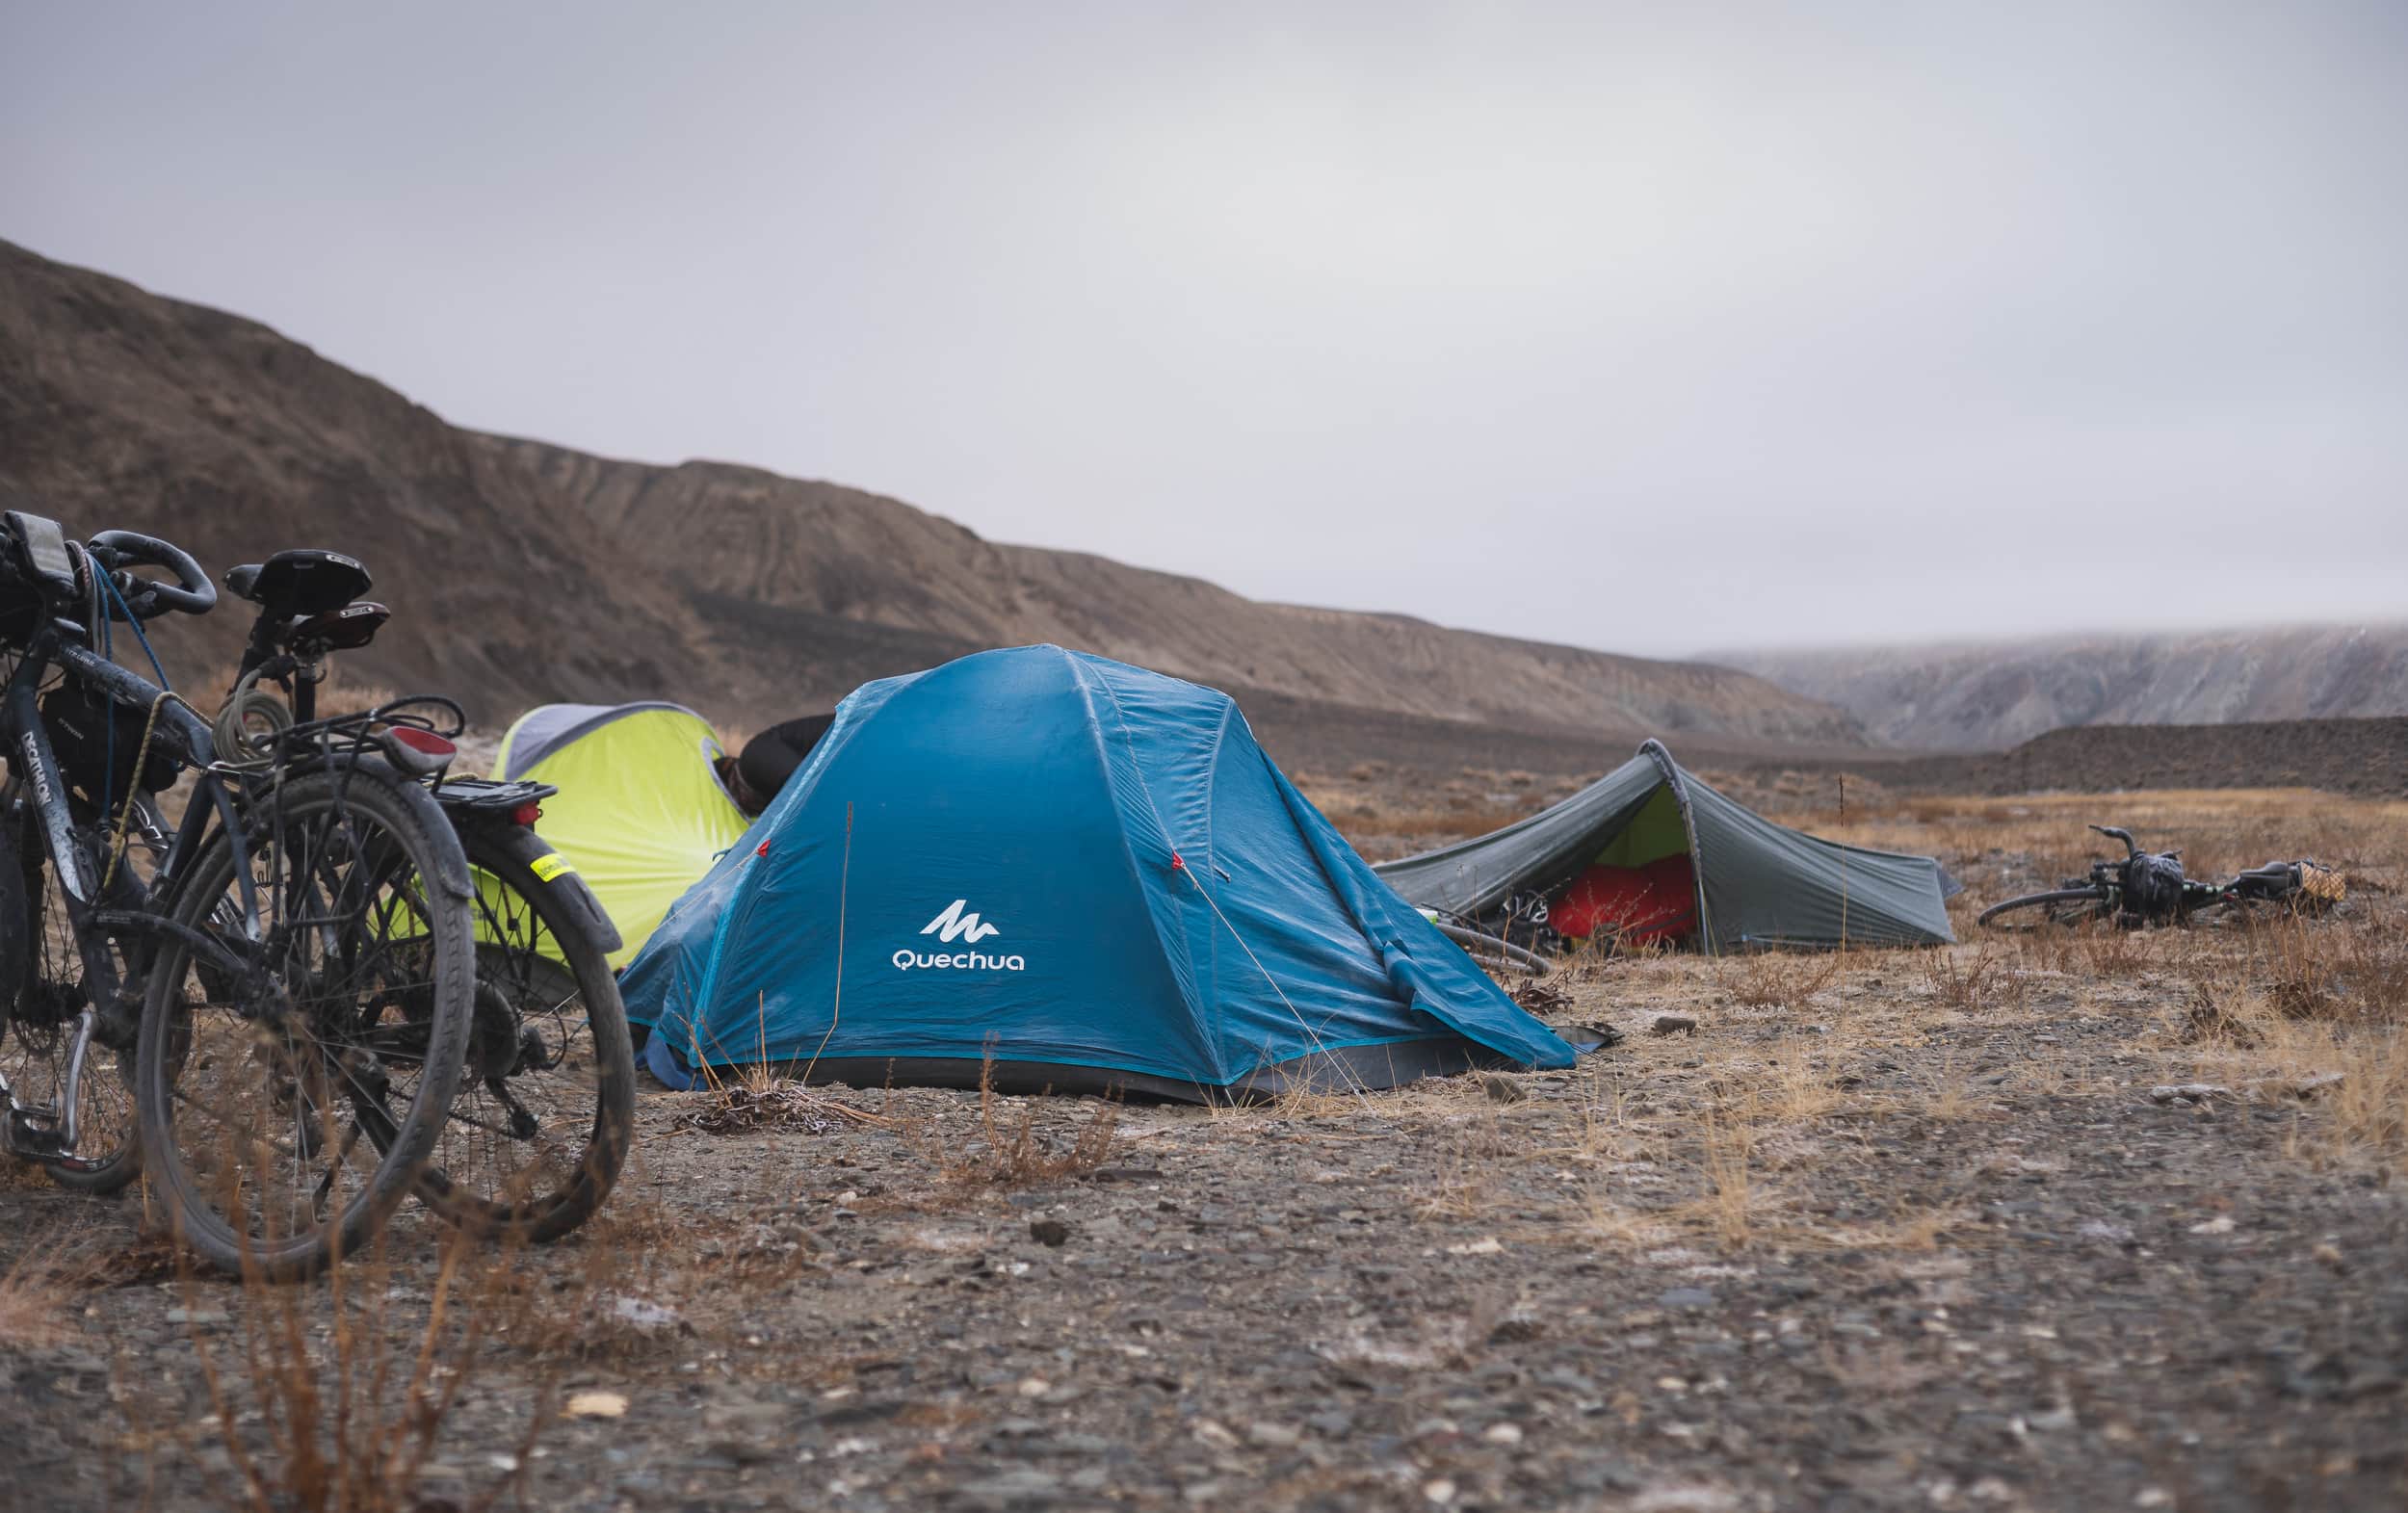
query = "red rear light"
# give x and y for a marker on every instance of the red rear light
(526, 814)
(426, 741)
(417, 753)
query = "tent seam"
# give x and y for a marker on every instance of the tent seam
(1087, 683)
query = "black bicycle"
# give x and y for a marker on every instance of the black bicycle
(2148, 888)
(286, 971)
(544, 1114)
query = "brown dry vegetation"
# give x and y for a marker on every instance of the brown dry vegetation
(1888, 1228)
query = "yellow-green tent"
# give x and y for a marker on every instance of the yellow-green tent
(641, 812)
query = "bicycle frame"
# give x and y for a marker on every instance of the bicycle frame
(90, 914)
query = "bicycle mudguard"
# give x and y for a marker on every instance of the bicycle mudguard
(520, 844)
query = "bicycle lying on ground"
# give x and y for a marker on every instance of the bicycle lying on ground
(290, 970)
(2148, 888)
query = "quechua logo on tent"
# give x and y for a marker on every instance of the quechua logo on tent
(958, 922)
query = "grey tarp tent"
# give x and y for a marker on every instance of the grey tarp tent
(1758, 883)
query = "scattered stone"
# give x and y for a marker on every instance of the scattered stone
(597, 1405)
(2221, 1224)
(1502, 1090)
(646, 1316)
(1690, 1298)
(1675, 1024)
(1049, 1231)
(1273, 1436)
(1486, 1246)
(1215, 1434)
(1022, 1486)
(1674, 1498)
(2189, 1092)
(1505, 1434)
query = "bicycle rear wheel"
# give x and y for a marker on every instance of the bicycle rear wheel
(546, 1112)
(2039, 910)
(347, 1019)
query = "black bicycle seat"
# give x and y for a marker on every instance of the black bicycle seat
(303, 581)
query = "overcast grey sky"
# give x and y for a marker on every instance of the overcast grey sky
(1652, 328)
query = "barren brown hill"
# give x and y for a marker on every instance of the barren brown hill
(119, 408)
(514, 572)
(1987, 697)
(823, 551)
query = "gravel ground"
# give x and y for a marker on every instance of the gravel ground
(1894, 1231)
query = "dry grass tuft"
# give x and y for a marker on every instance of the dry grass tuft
(334, 1401)
(1780, 979)
(1966, 980)
(750, 1105)
(1008, 1152)
(1731, 1192)
(37, 1296)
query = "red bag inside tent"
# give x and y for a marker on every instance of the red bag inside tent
(1657, 901)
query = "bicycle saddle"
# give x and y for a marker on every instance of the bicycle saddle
(347, 629)
(303, 581)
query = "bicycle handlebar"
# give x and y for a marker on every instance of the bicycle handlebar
(2132, 848)
(191, 594)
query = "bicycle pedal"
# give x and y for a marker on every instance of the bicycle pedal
(34, 1133)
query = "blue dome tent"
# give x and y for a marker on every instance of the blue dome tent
(1075, 875)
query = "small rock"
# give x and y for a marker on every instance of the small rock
(1507, 1434)
(2189, 1092)
(1675, 1024)
(1022, 1486)
(197, 1316)
(1440, 1490)
(1486, 1246)
(1273, 1436)
(1685, 1297)
(597, 1405)
(2309, 1086)
(1049, 1231)
(1215, 1434)
(2221, 1224)
(643, 1314)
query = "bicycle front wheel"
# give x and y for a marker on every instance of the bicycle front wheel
(347, 1017)
(2037, 910)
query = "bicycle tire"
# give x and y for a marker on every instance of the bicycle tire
(325, 1043)
(539, 971)
(2098, 908)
